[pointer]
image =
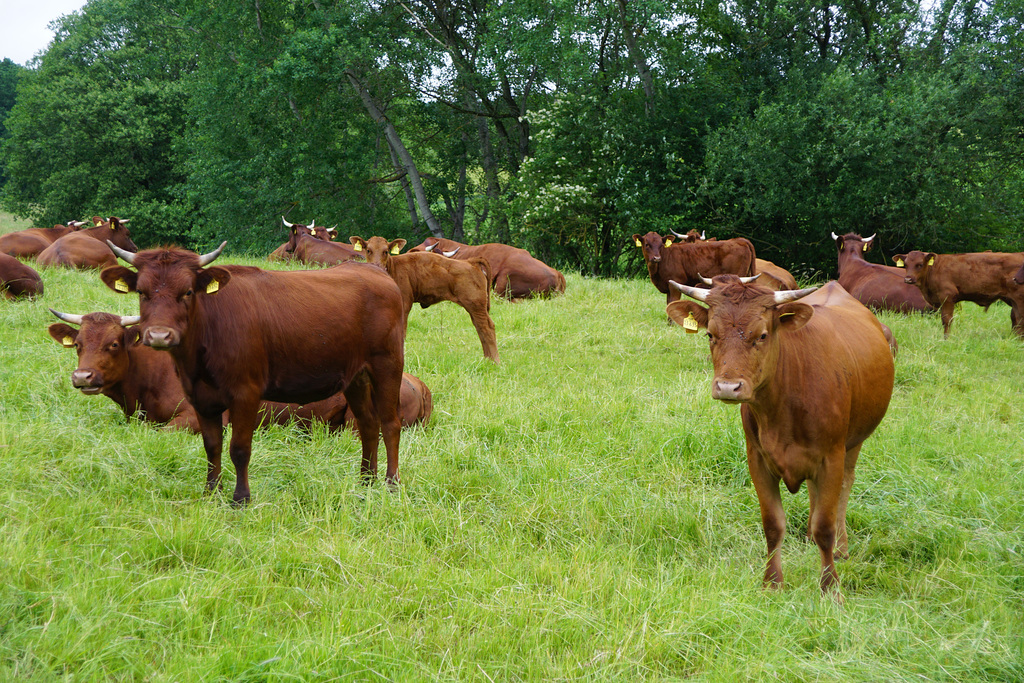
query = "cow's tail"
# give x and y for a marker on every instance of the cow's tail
(561, 282)
(485, 266)
(752, 268)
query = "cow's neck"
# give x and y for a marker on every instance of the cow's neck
(848, 256)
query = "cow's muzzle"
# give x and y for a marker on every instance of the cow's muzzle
(161, 337)
(730, 391)
(910, 280)
(86, 381)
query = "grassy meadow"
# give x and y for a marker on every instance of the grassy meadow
(581, 511)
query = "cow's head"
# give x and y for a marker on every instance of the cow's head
(113, 230)
(853, 242)
(744, 323)
(377, 250)
(296, 231)
(101, 341)
(651, 245)
(917, 265)
(325, 234)
(170, 282)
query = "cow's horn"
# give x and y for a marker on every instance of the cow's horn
(286, 223)
(745, 280)
(68, 317)
(868, 239)
(692, 292)
(207, 259)
(127, 320)
(705, 280)
(451, 253)
(792, 294)
(679, 235)
(126, 256)
(835, 236)
(430, 247)
(312, 223)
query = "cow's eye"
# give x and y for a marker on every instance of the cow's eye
(764, 335)
(115, 346)
(189, 293)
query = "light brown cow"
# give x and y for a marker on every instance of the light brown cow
(427, 279)
(813, 373)
(77, 250)
(981, 277)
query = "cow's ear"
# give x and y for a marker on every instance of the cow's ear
(690, 315)
(900, 260)
(132, 335)
(636, 240)
(120, 279)
(929, 258)
(793, 315)
(63, 334)
(669, 241)
(395, 246)
(358, 243)
(210, 280)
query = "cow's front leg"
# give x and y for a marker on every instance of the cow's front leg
(773, 517)
(243, 424)
(212, 429)
(829, 478)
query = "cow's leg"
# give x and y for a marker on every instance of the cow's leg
(842, 549)
(484, 325)
(388, 402)
(812, 502)
(830, 480)
(359, 394)
(773, 517)
(212, 429)
(946, 311)
(244, 417)
(1017, 317)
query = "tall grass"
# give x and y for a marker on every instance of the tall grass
(581, 511)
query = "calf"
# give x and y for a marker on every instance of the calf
(874, 285)
(983, 278)
(427, 279)
(239, 334)
(813, 373)
(18, 279)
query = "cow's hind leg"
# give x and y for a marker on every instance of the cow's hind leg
(830, 480)
(842, 549)
(360, 396)
(483, 323)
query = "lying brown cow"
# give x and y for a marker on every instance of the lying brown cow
(30, 242)
(515, 273)
(239, 335)
(144, 384)
(874, 285)
(305, 247)
(813, 373)
(77, 250)
(427, 279)
(687, 263)
(318, 231)
(947, 279)
(17, 279)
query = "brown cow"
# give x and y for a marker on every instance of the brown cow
(145, 384)
(981, 277)
(318, 231)
(814, 378)
(773, 276)
(874, 285)
(427, 279)
(305, 247)
(515, 273)
(113, 229)
(77, 250)
(30, 242)
(240, 334)
(687, 263)
(1018, 277)
(18, 279)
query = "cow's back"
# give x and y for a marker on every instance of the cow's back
(23, 244)
(882, 287)
(693, 260)
(77, 250)
(18, 279)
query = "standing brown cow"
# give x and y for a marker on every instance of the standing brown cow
(143, 382)
(17, 279)
(240, 334)
(687, 263)
(515, 273)
(947, 279)
(813, 373)
(874, 285)
(427, 279)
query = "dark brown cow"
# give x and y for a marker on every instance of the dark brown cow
(874, 285)
(687, 263)
(18, 279)
(113, 229)
(814, 378)
(981, 277)
(145, 384)
(515, 273)
(77, 250)
(30, 242)
(240, 334)
(305, 247)
(318, 231)
(1018, 277)
(427, 279)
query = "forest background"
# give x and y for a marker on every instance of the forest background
(561, 126)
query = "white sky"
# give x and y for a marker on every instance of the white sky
(23, 32)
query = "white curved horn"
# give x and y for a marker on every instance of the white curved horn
(451, 253)
(207, 259)
(286, 223)
(835, 236)
(679, 235)
(692, 292)
(126, 256)
(703, 279)
(68, 317)
(868, 239)
(127, 320)
(431, 247)
(703, 234)
(792, 294)
(311, 224)
(745, 280)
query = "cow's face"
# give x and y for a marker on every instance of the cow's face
(851, 242)
(917, 265)
(651, 244)
(115, 230)
(296, 232)
(322, 233)
(102, 346)
(377, 250)
(170, 282)
(743, 322)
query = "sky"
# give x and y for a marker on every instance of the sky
(23, 32)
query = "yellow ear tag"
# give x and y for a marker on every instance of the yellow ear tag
(899, 262)
(931, 261)
(68, 341)
(120, 285)
(668, 241)
(865, 247)
(357, 246)
(212, 287)
(395, 250)
(690, 324)
(638, 243)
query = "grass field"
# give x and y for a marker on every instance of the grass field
(582, 511)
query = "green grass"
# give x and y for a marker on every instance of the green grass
(582, 511)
